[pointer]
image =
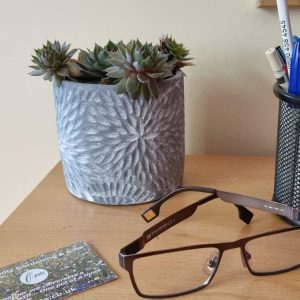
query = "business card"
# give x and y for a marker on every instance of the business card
(55, 275)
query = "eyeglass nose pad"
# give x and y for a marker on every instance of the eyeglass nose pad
(211, 263)
(248, 257)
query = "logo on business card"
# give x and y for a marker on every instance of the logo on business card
(34, 276)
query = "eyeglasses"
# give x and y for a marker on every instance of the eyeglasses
(179, 271)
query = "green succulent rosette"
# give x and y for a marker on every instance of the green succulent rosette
(53, 60)
(138, 68)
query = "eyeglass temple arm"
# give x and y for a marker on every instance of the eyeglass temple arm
(161, 227)
(153, 211)
(265, 205)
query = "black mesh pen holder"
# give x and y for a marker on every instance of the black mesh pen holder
(287, 172)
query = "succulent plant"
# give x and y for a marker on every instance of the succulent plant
(95, 62)
(175, 50)
(53, 60)
(138, 67)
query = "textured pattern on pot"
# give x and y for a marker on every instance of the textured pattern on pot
(118, 151)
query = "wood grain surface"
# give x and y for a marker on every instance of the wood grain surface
(50, 218)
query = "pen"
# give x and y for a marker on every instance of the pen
(286, 32)
(277, 68)
(294, 87)
(282, 58)
(294, 39)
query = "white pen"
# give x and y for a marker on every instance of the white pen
(286, 32)
(277, 68)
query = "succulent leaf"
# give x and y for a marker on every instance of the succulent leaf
(142, 77)
(153, 88)
(37, 72)
(110, 46)
(115, 72)
(121, 87)
(134, 95)
(132, 83)
(145, 91)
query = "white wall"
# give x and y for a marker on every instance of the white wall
(230, 108)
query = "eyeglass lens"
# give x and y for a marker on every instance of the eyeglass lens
(175, 272)
(273, 253)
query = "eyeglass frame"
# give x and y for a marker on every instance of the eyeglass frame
(129, 253)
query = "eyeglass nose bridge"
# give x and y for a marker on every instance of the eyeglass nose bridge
(230, 245)
(212, 262)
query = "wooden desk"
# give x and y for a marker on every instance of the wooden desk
(50, 218)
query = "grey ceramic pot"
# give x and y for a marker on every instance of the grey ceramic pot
(118, 151)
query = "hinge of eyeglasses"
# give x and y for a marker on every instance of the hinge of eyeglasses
(122, 260)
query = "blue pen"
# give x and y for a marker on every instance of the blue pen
(295, 38)
(294, 86)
